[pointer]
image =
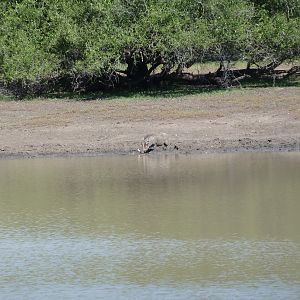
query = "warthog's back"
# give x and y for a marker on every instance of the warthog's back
(150, 141)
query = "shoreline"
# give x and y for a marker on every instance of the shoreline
(244, 120)
(256, 148)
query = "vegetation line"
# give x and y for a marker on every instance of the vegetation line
(89, 46)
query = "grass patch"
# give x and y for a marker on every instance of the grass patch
(172, 91)
(293, 81)
(6, 98)
(165, 92)
(212, 66)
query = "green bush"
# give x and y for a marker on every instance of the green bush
(75, 41)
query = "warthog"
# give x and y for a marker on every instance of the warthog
(150, 141)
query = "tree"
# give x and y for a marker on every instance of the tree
(84, 45)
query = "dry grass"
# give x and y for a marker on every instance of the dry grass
(41, 113)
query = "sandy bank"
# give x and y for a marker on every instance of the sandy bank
(266, 119)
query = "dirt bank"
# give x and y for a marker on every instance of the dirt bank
(266, 119)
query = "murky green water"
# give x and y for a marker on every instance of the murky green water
(174, 227)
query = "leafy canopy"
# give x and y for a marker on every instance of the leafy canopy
(51, 38)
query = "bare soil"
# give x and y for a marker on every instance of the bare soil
(264, 119)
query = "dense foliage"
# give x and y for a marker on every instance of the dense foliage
(78, 44)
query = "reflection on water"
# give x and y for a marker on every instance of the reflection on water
(165, 227)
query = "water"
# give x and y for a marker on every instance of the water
(166, 227)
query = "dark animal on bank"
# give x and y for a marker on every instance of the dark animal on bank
(151, 141)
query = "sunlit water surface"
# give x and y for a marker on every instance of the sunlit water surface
(151, 227)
